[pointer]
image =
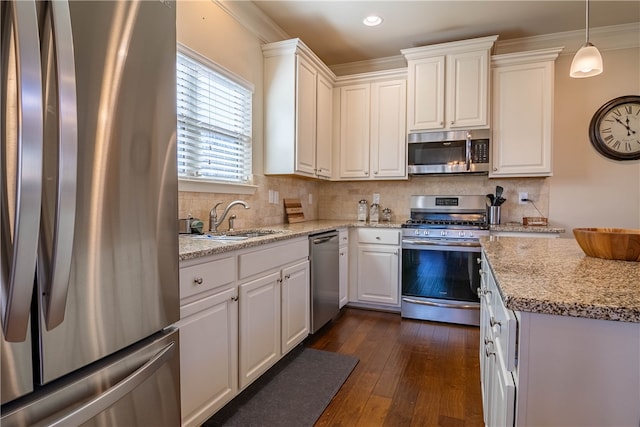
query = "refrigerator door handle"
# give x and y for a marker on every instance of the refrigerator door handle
(98, 404)
(20, 242)
(54, 278)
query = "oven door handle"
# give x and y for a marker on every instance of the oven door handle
(424, 242)
(440, 304)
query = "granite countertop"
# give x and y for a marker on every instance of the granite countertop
(193, 246)
(517, 227)
(554, 276)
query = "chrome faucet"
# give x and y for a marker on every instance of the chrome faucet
(213, 215)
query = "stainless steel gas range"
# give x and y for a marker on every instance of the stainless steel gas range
(440, 251)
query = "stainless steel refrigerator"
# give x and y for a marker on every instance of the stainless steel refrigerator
(89, 256)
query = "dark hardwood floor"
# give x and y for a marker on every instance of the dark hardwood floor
(411, 373)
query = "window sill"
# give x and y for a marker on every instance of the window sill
(215, 187)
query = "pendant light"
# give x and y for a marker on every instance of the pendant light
(588, 61)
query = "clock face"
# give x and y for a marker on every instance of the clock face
(615, 128)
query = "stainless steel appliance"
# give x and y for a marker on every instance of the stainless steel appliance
(88, 208)
(440, 248)
(457, 151)
(325, 292)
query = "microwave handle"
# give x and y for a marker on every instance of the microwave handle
(468, 151)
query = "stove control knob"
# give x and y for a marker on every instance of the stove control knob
(417, 232)
(443, 233)
(471, 234)
(425, 232)
(461, 233)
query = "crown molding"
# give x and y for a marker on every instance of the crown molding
(253, 19)
(626, 36)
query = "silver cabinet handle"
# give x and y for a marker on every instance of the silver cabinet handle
(54, 264)
(20, 242)
(493, 322)
(198, 280)
(92, 408)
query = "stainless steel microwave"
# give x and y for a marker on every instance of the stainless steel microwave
(449, 152)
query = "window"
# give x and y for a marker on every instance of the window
(214, 122)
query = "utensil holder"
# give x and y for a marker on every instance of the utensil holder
(493, 215)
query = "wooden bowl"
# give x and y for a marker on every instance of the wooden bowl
(609, 243)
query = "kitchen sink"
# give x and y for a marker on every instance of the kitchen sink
(235, 236)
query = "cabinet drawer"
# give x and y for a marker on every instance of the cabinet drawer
(209, 275)
(379, 236)
(272, 257)
(343, 237)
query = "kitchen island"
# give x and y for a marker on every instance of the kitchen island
(560, 335)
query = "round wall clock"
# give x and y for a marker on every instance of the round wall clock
(615, 128)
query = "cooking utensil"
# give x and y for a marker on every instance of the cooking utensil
(499, 201)
(491, 198)
(499, 191)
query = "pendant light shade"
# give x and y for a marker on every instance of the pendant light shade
(588, 61)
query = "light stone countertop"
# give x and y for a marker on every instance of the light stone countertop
(193, 246)
(554, 276)
(525, 228)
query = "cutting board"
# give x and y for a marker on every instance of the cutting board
(293, 209)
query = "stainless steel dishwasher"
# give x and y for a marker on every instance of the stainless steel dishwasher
(323, 249)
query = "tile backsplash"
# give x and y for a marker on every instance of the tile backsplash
(338, 200)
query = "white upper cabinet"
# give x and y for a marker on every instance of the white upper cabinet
(297, 110)
(371, 142)
(522, 103)
(448, 85)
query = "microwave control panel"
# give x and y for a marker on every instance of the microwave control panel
(480, 151)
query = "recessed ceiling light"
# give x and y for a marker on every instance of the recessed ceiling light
(372, 20)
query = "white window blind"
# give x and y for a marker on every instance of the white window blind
(214, 124)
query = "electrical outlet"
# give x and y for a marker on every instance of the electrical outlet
(310, 198)
(270, 196)
(523, 195)
(276, 197)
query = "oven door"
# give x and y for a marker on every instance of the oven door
(440, 279)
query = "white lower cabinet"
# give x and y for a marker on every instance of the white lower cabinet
(378, 266)
(259, 326)
(274, 305)
(295, 305)
(343, 266)
(549, 370)
(239, 314)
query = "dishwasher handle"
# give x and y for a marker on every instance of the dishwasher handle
(321, 240)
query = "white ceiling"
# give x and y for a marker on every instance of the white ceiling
(334, 29)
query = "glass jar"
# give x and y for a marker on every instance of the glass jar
(386, 215)
(374, 212)
(363, 208)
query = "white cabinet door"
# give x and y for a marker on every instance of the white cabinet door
(503, 393)
(344, 275)
(378, 274)
(259, 324)
(208, 355)
(355, 104)
(306, 117)
(296, 304)
(522, 123)
(467, 90)
(388, 129)
(449, 85)
(324, 120)
(425, 109)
